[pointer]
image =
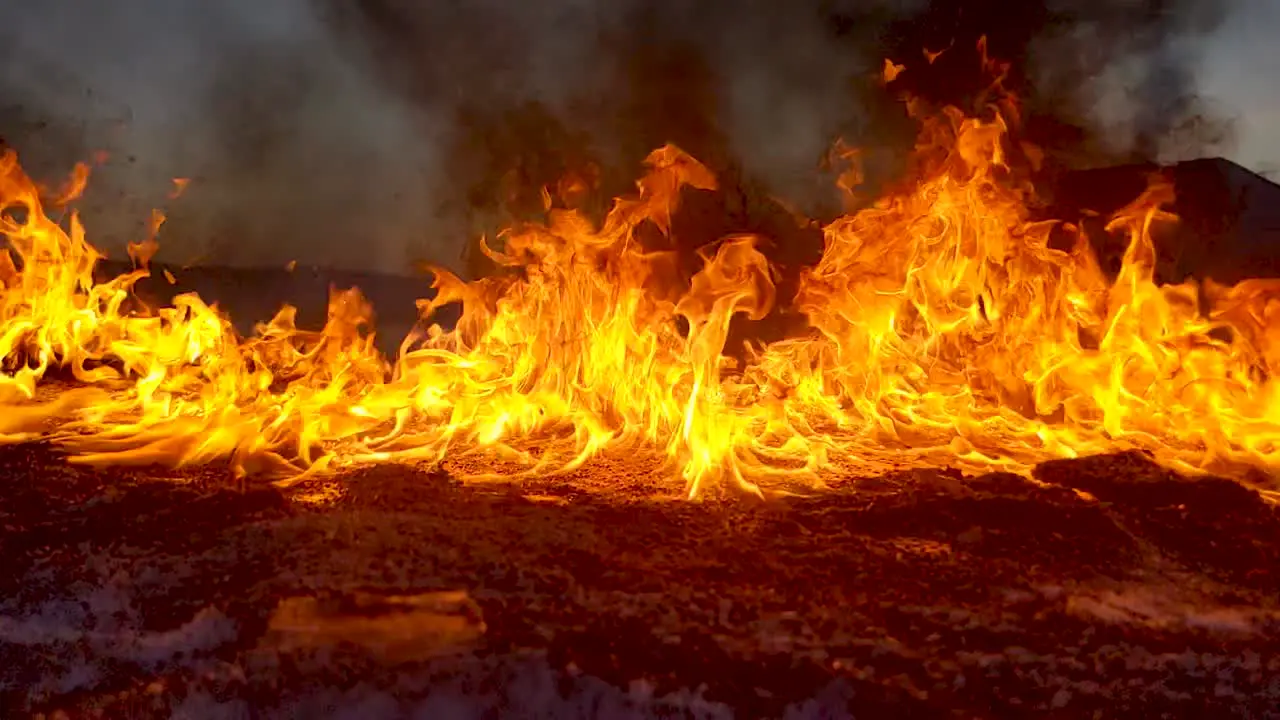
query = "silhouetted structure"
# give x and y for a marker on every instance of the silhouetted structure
(1230, 217)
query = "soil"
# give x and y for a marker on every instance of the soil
(1103, 587)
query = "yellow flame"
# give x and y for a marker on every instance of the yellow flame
(944, 329)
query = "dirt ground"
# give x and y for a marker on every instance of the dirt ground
(1107, 588)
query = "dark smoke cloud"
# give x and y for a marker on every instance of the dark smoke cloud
(1103, 81)
(368, 133)
(759, 89)
(754, 87)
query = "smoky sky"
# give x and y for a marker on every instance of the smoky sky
(372, 133)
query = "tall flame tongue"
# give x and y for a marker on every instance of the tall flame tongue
(945, 329)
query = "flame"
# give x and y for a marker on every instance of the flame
(931, 56)
(179, 187)
(944, 329)
(891, 71)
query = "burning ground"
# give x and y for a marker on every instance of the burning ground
(1108, 585)
(951, 463)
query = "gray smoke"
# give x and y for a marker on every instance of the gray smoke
(292, 153)
(1126, 71)
(371, 133)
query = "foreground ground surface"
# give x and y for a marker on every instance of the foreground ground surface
(1109, 588)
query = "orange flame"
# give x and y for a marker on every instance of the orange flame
(891, 71)
(179, 187)
(945, 329)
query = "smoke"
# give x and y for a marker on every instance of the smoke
(1145, 54)
(371, 133)
(760, 89)
(291, 152)
(756, 88)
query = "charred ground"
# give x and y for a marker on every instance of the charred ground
(1108, 585)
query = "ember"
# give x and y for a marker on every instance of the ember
(945, 329)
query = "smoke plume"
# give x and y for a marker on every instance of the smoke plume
(371, 133)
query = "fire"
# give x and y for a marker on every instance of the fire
(944, 329)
